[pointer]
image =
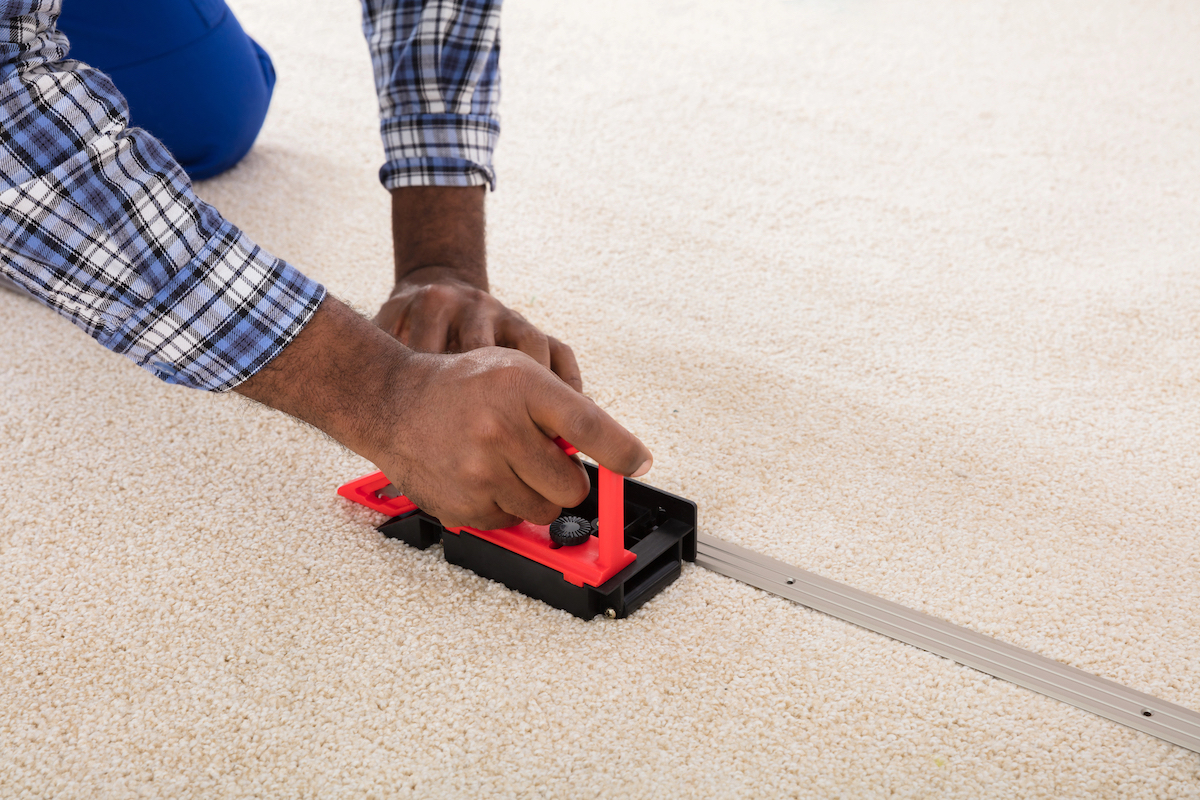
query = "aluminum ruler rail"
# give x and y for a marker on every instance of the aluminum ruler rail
(1137, 710)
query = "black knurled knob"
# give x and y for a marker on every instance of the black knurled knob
(569, 531)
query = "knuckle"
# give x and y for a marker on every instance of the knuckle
(585, 422)
(452, 515)
(474, 476)
(495, 519)
(579, 489)
(514, 372)
(471, 298)
(532, 337)
(544, 514)
(487, 430)
(437, 294)
(474, 343)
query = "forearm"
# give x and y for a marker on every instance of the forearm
(439, 122)
(98, 222)
(467, 437)
(337, 375)
(440, 302)
(442, 229)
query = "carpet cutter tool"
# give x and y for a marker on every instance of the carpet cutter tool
(627, 542)
(610, 554)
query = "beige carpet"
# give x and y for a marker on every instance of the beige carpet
(904, 293)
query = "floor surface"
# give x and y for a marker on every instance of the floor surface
(903, 293)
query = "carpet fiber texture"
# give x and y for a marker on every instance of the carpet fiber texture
(903, 293)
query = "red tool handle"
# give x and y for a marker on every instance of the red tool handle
(611, 493)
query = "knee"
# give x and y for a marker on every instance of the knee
(205, 99)
(220, 108)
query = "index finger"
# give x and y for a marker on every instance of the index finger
(560, 411)
(563, 364)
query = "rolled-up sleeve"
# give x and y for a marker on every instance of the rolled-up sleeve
(437, 75)
(100, 223)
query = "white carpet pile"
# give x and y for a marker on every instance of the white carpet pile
(903, 293)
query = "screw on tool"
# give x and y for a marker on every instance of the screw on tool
(567, 531)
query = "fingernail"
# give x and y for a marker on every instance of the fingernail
(644, 468)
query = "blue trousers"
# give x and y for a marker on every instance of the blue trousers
(191, 75)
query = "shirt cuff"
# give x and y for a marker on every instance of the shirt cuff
(439, 150)
(221, 319)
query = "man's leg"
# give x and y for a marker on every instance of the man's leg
(191, 75)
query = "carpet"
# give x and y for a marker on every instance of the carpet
(906, 294)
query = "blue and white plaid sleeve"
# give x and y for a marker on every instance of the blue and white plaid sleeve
(98, 222)
(438, 77)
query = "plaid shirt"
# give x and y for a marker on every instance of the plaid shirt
(438, 78)
(98, 221)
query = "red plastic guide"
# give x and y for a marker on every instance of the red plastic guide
(592, 563)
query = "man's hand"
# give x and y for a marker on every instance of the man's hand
(433, 310)
(468, 437)
(440, 302)
(483, 424)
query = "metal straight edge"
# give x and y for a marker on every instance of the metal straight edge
(1137, 710)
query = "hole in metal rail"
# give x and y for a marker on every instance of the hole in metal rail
(790, 581)
(1147, 713)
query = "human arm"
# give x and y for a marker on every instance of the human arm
(468, 437)
(440, 302)
(98, 222)
(437, 76)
